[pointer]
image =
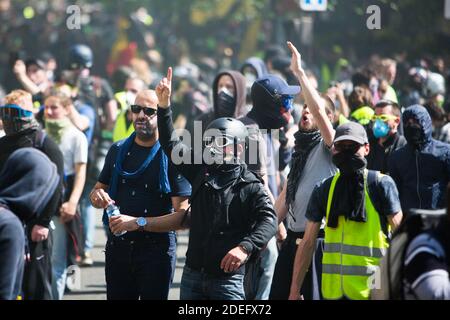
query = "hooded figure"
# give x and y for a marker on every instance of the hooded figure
(27, 183)
(26, 186)
(421, 169)
(252, 69)
(255, 66)
(237, 109)
(227, 101)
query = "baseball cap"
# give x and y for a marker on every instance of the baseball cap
(274, 85)
(351, 131)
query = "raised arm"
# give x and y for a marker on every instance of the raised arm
(181, 155)
(313, 100)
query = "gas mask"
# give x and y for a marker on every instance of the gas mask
(380, 129)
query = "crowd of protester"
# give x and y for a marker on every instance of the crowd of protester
(385, 115)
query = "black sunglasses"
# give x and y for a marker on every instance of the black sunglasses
(147, 111)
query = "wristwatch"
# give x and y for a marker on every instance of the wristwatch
(141, 222)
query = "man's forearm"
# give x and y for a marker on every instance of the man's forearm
(170, 222)
(317, 107)
(28, 85)
(78, 184)
(302, 261)
(79, 121)
(281, 208)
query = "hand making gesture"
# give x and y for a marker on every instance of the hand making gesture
(164, 90)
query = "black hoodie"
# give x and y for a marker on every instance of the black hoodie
(27, 182)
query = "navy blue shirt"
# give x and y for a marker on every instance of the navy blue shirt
(140, 197)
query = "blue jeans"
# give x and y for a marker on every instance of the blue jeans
(196, 285)
(59, 259)
(140, 269)
(268, 261)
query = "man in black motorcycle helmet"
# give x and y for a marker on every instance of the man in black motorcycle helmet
(225, 141)
(231, 216)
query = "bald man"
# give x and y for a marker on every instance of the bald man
(138, 178)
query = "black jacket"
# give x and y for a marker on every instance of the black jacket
(379, 155)
(27, 182)
(421, 174)
(31, 138)
(230, 206)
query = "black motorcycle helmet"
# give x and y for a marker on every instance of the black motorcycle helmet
(226, 131)
(80, 56)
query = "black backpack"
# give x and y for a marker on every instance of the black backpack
(391, 272)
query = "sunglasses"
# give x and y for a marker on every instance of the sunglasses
(384, 117)
(287, 102)
(219, 142)
(11, 111)
(150, 112)
(351, 148)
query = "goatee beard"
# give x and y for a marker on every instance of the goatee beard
(147, 136)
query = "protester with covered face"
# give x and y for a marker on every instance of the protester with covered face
(421, 169)
(252, 69)
(272, 100)
(385, 138)
(28, 181)
(311, 163)
(229, 94)
(360, 208)
(231, 216)
(139, 179)
(23, 131)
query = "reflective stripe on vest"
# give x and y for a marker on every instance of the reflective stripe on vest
(352, 252)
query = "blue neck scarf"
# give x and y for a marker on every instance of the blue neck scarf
(124, 147)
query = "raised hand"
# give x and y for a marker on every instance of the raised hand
(296, 60)
(164, 90)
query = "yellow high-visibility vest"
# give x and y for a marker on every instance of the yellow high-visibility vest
(352, 252)
(120, 129)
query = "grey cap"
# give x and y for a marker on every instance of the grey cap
(352, 131)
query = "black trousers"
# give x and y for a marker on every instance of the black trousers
(37, 280)
(282, 277)
(141, 269)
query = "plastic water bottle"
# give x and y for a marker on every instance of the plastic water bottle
(112, 210)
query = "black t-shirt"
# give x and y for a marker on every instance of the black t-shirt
(385, 200)
(140, 197)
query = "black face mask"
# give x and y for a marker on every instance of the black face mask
(414, 136)
(349, 163)
(226, 105)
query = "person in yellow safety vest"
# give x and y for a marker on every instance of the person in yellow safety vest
(363, 115)
(124, 125)
(360, 209)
